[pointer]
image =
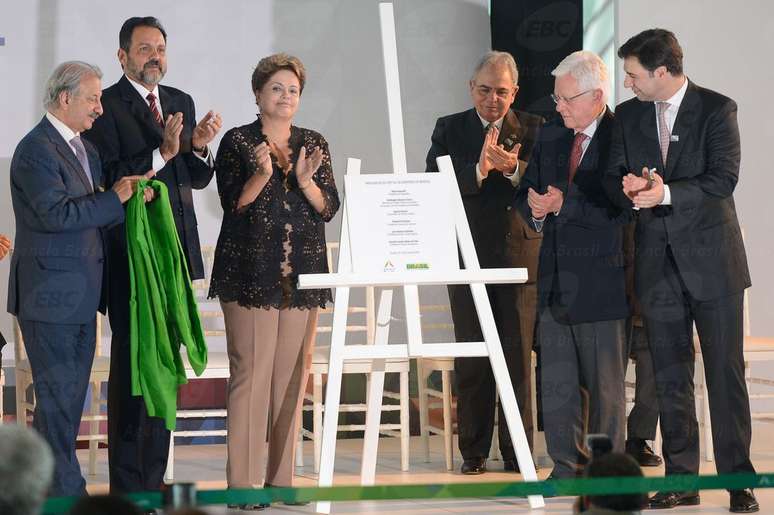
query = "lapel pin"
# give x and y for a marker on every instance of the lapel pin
(674, 137)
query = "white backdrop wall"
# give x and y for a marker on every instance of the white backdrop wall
(212, 50)
(727, 48)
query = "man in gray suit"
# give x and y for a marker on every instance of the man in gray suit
(55, 286)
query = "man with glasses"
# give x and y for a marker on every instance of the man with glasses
(490, 146)
(582, 305)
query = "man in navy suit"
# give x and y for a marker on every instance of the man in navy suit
(151, 128)
(582, 306)
(55, 286)
(690, 266)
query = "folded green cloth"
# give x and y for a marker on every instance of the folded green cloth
(162, 308)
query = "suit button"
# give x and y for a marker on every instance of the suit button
(180, 211)
(507, 236)
(508, 208)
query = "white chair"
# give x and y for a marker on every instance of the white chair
(100, 370)
(756, 349)
(430, 398)
(217, 362)
(2, 387)
(319, 367)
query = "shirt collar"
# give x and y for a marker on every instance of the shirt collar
(66, 132)
(677, 99)
(592, 127)
(143, 91)
(496, 123)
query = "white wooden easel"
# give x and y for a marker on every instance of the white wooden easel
(345, 279)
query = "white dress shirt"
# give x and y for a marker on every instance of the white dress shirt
(66, 132)
(158, 161)
(514, 177)
(670, 115)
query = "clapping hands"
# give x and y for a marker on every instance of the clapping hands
(5, 245)
(644, 192)
(549, 202)
(307, 166)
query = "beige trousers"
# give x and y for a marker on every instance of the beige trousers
(268, 350)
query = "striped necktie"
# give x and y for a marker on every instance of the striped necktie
(663, 129)
(154, 108)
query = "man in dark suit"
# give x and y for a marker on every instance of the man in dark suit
(690, 260)
(642, 421)
(582, 304)
(489, 146)
(55, 286)
(146, 128)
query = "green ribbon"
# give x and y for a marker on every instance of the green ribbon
(558, 487)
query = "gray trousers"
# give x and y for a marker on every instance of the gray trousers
(582, 381)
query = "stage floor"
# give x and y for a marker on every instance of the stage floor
(206, 465)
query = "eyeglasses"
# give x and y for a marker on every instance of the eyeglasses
(557, 98)
(501, 93)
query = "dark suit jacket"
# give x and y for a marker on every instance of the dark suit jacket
(500, 235)
(702, 170)
(126, 136)
(58, 259)
(581, 268)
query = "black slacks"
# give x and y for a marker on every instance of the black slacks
(138, 445)
(514, 311)
(670, 312)
(643, 418)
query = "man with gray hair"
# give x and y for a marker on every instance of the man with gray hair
(25, 470)
(490, 146)
(582, 305)
(55, 286)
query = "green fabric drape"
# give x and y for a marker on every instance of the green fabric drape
(162, 308)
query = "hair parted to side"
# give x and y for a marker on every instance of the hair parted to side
(588, 69)
(270, 65)
(26, 470)
(654, 48)
(127, 29)
(497, 58)
(67, 78)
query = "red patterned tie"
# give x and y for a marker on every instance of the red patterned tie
(154, 108)
(576, 153)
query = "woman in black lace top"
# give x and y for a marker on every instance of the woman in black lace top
(277, 191)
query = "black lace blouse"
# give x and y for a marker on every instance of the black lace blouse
(279, 234)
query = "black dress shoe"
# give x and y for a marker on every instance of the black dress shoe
(473, 466)
(641, 451)
(743, 501)
(250, 507)
(511, 465)
(665, 500)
